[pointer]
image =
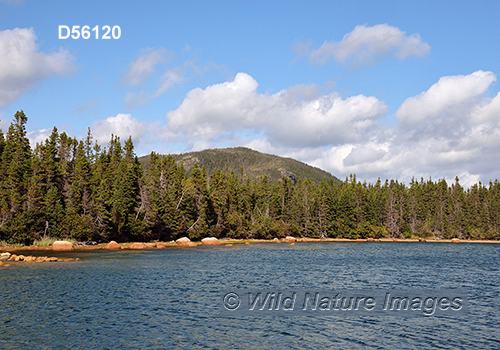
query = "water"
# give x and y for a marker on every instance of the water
(169, 299)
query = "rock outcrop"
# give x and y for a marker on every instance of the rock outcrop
(138, 246)
(31, 258)
(185, 242)
(63, 245)
(5, 256)
(112, 245)
(210, 241)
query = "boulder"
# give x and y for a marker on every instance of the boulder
(456, 240)
(112, 245)
(5, 256)
(185, 242)
(394, 240)
(138, 246)
(289, 239)
(210, 241)
(63, 245)
(1, 263)
(229, 245)
(160, 246)
(292, 244)
(276, 240)
(12, 257)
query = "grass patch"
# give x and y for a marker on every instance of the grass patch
(9, 245)
(45, 242)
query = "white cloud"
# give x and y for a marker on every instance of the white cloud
(448, 94)
(143, 67)
(122, 125)
(169, 79)
(38, 136)
(147, 136)
(364, 154)
(452, 129)
(459, 135)
(488, 111)
(365, 45)
(286, 117)
(21, 65)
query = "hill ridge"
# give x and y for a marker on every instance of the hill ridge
(254, 164)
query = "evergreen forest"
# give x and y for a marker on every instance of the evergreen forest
(69, 188)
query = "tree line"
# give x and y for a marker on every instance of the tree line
(69, 188)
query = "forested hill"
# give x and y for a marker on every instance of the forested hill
(253, 163)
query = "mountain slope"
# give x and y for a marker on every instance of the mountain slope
(254, 164)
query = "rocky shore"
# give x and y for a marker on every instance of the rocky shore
(6, 256)
(7, 252)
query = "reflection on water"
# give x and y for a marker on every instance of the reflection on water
(163, 299)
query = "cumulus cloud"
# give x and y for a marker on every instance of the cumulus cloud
(38, 136)
(451, 129)
(451, 92)
(366, 45)
(458, 135)
(21, 65)
(293, 116)
(122, 125)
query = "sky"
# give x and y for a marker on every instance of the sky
(381, 89)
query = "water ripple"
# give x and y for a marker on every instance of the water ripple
(157, 299)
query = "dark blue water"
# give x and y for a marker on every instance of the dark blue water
(167, 299)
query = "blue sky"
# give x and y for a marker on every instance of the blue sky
(386, 89)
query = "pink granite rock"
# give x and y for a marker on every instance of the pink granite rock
(210, 241)
(112, 245)
(62, 245)
(186, 242)
(138, 246)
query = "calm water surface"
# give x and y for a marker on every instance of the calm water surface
(168, 299)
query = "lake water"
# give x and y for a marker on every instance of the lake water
(168, 299)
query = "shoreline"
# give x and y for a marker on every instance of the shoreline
(224, 242)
